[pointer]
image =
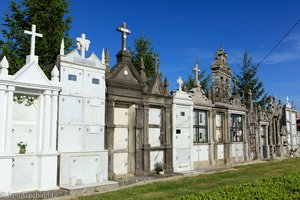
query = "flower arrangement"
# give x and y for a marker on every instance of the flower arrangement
(22, 147)
(29, 100)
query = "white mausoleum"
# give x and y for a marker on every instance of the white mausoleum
(83, 159)
(28, 113)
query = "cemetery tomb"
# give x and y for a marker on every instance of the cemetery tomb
(83, 159)
(182, 129)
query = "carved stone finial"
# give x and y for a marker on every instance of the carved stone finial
(83, 44)
(287, 102)
(107, 60)
(166, 85)
(62, 47)
(55, 74)
(179, 82)
(4, 65)
(143, 73)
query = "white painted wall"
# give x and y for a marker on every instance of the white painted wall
(82, 121)
(120, 163)
(182, 131)
(31, 124)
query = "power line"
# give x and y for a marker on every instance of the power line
(278, 43)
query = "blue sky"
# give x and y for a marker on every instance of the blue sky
(185, 31)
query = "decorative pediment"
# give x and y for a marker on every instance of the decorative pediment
(74, 57)
(125, 71)
(32, 74)
(156, 86)
(236, 101)
(199, 95)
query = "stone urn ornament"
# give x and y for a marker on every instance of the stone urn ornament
(22, 147)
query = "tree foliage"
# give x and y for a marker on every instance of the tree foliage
(248, 79)
(143, 49)
(52, 20)
(205, 81)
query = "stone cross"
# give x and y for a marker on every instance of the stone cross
(156, 59)
(196, 70)
(33, 34)
(124, 32)
(83, 44)
(180, 82)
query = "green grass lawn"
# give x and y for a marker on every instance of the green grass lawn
(205, 182)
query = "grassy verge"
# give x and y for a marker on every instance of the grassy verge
(280, 187)
(202, 183)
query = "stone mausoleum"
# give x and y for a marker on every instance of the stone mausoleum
(138, 117)
(91, 124)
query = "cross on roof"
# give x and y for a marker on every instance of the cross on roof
(83, 44)
(196, 70)
(33, 34)
(156, 59)
(124, 32)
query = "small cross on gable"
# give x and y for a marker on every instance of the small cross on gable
(83, 44)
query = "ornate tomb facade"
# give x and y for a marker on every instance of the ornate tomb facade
(182, 129)
(81, 121)
(228, 115)
(138, 118)
(28, 116)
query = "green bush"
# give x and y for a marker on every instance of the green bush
(281, 187)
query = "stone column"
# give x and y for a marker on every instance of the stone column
(3, 118)
(40, 127)
(46, 123)
(210, 138)
(266, 133)
(278, 142)
(227, 143)
(245, 138)
(213, 133)
(132, 139)
(6, 105)
(146, 156)
(139, 140)
(168, 143)
(271, 132)
(109, 137)
(54, 111)
(9, 110)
